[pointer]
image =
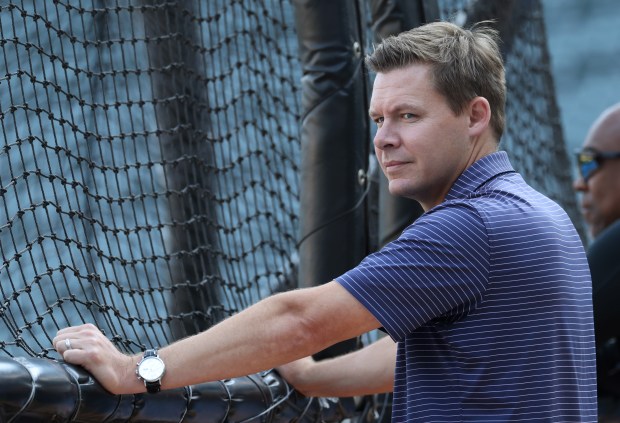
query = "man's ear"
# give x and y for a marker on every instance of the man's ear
(479, 116)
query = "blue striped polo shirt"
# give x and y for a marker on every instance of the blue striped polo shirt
(488, 296)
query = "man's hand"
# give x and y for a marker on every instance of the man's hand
(86, 346)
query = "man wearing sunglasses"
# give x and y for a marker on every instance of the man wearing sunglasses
(599, 168)
(599, 184)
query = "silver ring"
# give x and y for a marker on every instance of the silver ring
(68, 344)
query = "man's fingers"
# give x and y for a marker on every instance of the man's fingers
(76, 338)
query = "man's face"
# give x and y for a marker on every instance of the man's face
(600, 199)
(421, 145)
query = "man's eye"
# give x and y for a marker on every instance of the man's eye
(379, 120)
(408, 116)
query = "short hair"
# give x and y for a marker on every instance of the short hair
(465, 63)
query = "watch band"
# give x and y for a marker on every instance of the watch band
(152, 352)
(153, 387)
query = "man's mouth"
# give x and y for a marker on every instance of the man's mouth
(393, 163)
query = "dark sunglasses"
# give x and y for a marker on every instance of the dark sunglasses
(588, 161)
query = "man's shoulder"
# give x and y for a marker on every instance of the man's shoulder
(453, 219)
(508, 193)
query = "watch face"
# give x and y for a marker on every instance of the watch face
(151, 369)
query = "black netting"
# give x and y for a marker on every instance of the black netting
(149, 165)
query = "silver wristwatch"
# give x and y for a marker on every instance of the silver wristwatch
(151, 369)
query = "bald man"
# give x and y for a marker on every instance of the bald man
(599, 165)
(599, 185)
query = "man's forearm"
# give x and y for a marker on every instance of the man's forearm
(364, 372)
(261, 337)
(276, 330)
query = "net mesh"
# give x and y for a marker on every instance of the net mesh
(150, 161)
(149, 169)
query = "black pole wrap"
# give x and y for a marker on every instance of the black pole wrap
(37, 390)
(335, 140)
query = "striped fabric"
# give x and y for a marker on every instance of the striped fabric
(489, 298)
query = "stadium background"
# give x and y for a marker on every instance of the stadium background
(584, 61)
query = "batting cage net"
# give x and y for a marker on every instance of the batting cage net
(150, 165)
(150, 173)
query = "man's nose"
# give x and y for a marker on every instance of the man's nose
(386, 137)
(580, 185)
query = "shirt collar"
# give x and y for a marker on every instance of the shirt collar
(482, 171)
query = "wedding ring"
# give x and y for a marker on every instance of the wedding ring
(67, 344)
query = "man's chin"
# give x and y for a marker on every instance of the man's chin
(399, 189)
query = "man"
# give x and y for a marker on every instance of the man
(599, 183)
(599, 165)
(486, 297)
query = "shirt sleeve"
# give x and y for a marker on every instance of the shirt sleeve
(435, 272)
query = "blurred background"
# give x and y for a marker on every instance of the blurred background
(584, 45)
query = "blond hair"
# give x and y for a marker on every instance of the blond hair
(466, 63)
